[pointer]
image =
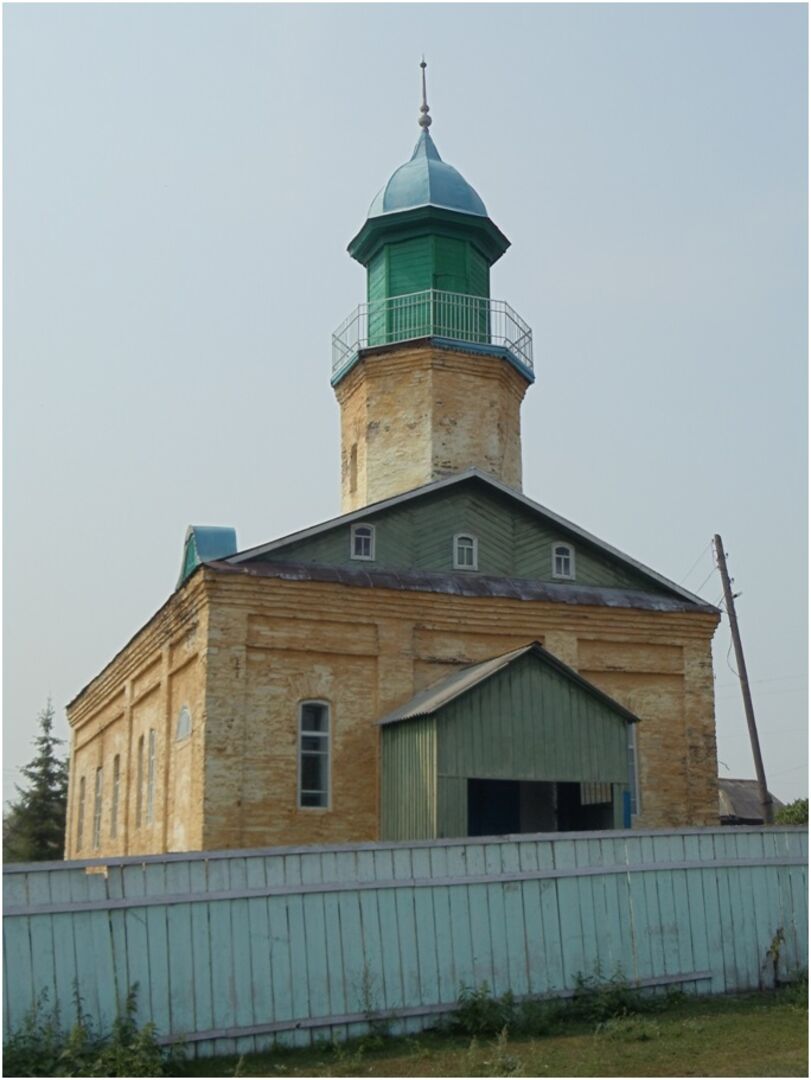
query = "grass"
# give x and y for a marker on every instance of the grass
(752, 1035)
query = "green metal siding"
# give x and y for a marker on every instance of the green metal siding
(528, 722)
(513, 542)
(451, 815)
(408, 782)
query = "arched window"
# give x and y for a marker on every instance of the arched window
(314, 754)
(465, 552)
(562, 561)
(363, 542)
(183, 729)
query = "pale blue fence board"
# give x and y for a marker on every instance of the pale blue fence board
(237, 950)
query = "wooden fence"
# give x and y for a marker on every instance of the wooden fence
(233, 950)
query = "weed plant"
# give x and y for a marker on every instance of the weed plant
(43, 1047)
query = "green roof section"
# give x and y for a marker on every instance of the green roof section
(203, 543)
(426, 180)
(415, 532)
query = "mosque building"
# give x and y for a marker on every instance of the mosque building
(447, 657)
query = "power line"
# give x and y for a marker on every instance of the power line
(695, 564)
(706, 579)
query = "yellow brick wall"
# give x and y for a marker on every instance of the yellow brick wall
(142, 689)
(364, 651)
(413, 413)
(242, 652)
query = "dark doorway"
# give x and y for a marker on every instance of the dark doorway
(498, 807)
(493, 807)
(574, 815)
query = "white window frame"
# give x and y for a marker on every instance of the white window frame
(116, 795)
(327, 737)
(570, 552)
(353, 533)
(182, 735)
(150, 777)
(457, 565)
(97, 801)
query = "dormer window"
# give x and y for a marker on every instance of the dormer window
(563, 561)
(465, 552)
(363, 542)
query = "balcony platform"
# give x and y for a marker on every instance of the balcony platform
(473, 324)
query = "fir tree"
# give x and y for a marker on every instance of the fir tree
(34, 824)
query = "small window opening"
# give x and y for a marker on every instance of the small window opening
(183, 729)
(80, 816)
(353, 468)
(97, 809)
(313, 754)
(363, 542)
(116, 795)
(465, 552)
(563, 561)
(150, 778)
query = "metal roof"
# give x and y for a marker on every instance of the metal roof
(475, 474)
(463, 584)
(740, 799)
(204, 542)
(433, 698)
(426, 180)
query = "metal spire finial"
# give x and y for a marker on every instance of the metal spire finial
(425, 119)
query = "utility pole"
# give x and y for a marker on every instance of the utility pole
(729, 599)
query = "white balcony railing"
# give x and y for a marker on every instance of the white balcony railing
(474, 320)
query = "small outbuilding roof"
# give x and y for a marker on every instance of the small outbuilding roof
(447, 689)
(738, 800)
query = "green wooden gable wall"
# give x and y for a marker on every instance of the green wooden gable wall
(512, 541)
(526, 722)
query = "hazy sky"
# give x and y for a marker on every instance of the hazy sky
(180, 185)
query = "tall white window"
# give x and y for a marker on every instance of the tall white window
(562, 561)
(116, 795)
(183, 729)
(363, 542)
(139, 786)
(313, 754)
(150, 778)
(465, 552)
(80, 816)
(97, 808)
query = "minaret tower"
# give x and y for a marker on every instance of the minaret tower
(430, 371)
